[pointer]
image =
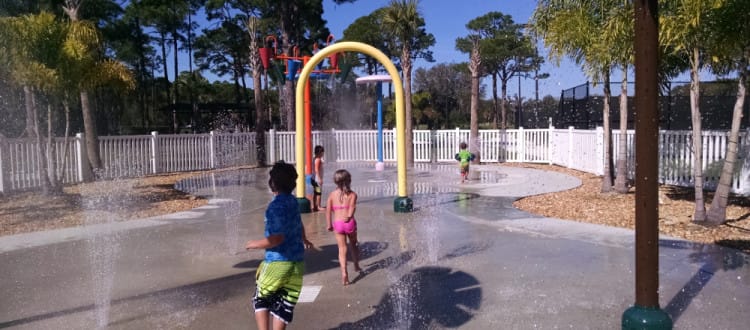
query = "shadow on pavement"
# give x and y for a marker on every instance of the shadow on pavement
(712, 259)
(325, 257)
(427, 297)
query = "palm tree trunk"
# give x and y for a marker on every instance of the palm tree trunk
(474, 67)
(41, 152)
(700, 208)
(89, 128)
(621, 177)
(607, 178)
(55, 185)
(28, 93)
(260, 120)
(66, 110)
(717, 214)
(260, 117)
(494, 101)
(503, 104)
(409, 140)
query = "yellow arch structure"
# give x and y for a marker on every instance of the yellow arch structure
(402, 202)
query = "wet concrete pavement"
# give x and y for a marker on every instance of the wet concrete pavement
(464, 259)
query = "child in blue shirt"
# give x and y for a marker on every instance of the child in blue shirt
(279, 277)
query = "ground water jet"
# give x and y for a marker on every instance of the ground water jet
(101, 203)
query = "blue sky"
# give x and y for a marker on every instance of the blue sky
(446, 20)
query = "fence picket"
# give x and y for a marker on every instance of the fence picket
(128, 156)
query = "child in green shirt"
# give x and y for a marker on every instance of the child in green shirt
(464, 157)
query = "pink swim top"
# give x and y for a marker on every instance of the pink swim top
(339, 207)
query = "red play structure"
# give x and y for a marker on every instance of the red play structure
(292, 66)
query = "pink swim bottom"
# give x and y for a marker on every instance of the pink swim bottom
(345, 227)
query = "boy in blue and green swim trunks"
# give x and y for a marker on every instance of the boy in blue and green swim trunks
(279, 277)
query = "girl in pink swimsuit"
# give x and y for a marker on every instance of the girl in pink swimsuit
(341, 205)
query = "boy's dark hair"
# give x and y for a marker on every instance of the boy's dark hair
(282, 177)
(463, 145)
(318, 150)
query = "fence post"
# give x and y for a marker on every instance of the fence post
(395, 145)
(600, 150)
(155, 152)
(4, 165)
(334, 153)
(570, 147)
(433, 146)
(84, 169)
(211, 150)
(521, 145)
(272, 145)
(744, 184)
(550, 143)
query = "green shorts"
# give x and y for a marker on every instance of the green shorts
(464, 168)
(278, 285)
(317, 190)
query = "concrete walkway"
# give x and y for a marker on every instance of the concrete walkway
(464, 259)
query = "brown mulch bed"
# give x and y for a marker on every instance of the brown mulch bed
(90, 203)
(676, 206)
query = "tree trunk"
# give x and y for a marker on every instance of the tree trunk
(607, 178)
(191, 87)
(260, 118)
(475, 63)
(175, 87)
(55, 184)
(89, 128)
(28, 93)
(494, 101)
(717, 214)
(503, 104)
(700, 208)
(621, 178)
(282, 106)
(288, 96)
(409, 139)
(260, 127)
(61, 168)
(41, 155)
(165, 67)
(289, 105)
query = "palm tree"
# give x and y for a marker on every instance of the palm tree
(472, 45)
(88, 44)
(683, 31)
(87, 69)
(34, 46)
(574, 28)
(255, 65)
(402, 20)
(731, 26)
(618, 33)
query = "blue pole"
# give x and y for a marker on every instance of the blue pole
(380, 121)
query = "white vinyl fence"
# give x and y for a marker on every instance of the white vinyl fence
(131, 156)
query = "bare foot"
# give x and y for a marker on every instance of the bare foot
(357, 268)
(345, 279)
